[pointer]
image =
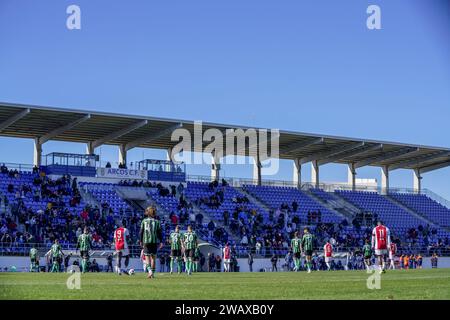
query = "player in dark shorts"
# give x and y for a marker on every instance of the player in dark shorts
(175, 250)
(307, 245)
(189, 246)
(150, 235)
(34, 260)
(296, 250)
(196, 258)
(84, 244)
(367, 253)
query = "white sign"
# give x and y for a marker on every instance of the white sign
(121, 173)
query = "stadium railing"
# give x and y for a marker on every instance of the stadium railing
(240, 251)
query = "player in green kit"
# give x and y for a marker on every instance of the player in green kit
(34, 260)
(175, 248)
(367, 253)
(196, 258)
(56, 254)
(307, 245)
(189, 246)
(296, 250)
(84, 244)
(150, 235)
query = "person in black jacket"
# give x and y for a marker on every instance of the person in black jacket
(274, 261)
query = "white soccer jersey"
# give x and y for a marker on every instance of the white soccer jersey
(381, 238)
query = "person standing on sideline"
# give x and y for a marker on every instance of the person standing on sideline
(274, 261)
(250, 261)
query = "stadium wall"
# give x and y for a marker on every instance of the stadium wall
(23, 263)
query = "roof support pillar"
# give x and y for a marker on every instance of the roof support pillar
(385, 180)
(215, 168)
(417, 183)
(352, 175)
(297, 174)
(169, 154)
(37, 154)
(315, 180)
(257, 170)
(122, 155)
(89, 148)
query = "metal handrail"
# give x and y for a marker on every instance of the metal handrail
(8, 249)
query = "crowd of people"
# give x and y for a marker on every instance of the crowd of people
(64, 219)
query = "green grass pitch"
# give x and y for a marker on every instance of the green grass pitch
(396, 285)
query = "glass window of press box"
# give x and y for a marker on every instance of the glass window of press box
(161, 166)
(70, 159)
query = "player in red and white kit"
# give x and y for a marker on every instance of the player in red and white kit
(226, 258)
(120, 244)
(392, 253)
(328, 254)
(381, 241)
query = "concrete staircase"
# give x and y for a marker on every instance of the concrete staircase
(253, 199)
(337, 205)
(88, 198)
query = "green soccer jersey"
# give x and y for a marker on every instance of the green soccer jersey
(150, 230)
(175, 241)
(190, 240)
(296, 245)
(56, 250)
(84, 242)
(307, 242)
(367, 250)
(33, 253)
(197, 252)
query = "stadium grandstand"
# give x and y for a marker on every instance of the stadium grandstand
(59, 193)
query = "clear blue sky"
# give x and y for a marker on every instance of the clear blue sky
(309, 66)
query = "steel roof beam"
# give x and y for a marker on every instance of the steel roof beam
(117, 134)
(300, 145)
(8, 122)
(416, 162)
(387, 156)
(434, 167)
(350, 153)
(335, 151)
(62, 129)
(152, 137)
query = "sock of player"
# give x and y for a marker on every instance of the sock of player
(188, 266)
(180, 265)
(171, 264)
(309, 265)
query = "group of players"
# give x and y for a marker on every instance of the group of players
(381, 245)
(184, 248)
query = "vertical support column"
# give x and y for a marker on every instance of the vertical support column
(315, 178)
(297, 174)
(122, 154)
(417, 185)
(215, 168)
(385, 180)
(89, 148)
(169, 155)
(352, 175)
(257, 170)
(37, 152)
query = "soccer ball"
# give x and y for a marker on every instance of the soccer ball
(131, 272)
